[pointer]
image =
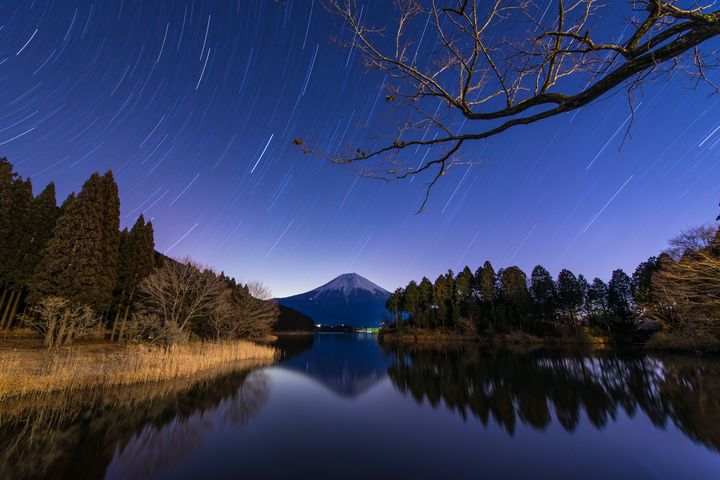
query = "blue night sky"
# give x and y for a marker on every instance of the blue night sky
(194, 106)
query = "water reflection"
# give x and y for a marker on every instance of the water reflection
(448, 412)
(539, 388)
(143, 428)
(347, 364)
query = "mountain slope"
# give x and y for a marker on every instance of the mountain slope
(346, 300)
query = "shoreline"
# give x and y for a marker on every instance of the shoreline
(28, 369)
(582, 339)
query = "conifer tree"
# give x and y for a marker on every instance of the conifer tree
(412, 299)
(542, 290)
(135, 262)
(486, 281)
(465, 286)
(426, 303)
(80, 260)
(642, 280)
(44, 215)
(110, 240)
(514, 293)
(570, 295)
(620, 295)
(16, 232)
(597, 302)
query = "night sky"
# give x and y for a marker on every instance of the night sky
(194, 106)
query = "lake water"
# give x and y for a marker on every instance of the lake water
(343, 406)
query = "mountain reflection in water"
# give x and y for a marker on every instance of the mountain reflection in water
(343, 405)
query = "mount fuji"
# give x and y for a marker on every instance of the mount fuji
(348, 299)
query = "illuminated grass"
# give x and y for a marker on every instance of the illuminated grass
(27, 371)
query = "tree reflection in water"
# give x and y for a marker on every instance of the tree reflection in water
(139, 429)
(539, 388)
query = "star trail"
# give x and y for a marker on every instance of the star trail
(194, 106)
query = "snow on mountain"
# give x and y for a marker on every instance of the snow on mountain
(348, 299)
(348, 282)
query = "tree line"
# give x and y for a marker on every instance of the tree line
(67, 270)
(677, 292)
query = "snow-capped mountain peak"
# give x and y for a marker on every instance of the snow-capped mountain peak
(349, 282)
(345, 300)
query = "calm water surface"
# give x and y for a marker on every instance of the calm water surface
(342, 406)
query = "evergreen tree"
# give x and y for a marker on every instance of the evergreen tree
(642, 280)
(16, 215)
(136, 261)
(442, 298)
(110, 240)
(44, 215)
(465, 286)
(394, 304)
(515, 295)
(485, 281)
(570, 295)
(597, 302)
(80, 260)
(412, 299)
(583, 287)
(542, 290)
(426, 319)
(620, 295)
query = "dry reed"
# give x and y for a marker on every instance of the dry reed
(30, 371)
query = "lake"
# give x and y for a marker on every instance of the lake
(343, 406)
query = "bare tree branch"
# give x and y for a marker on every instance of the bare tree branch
(505, 63)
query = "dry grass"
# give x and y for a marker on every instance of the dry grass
(686, 339)
(27, 371)
(421, 335)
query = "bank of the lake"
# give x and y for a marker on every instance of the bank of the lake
(582, 337)
(27, 368)
(684, 341)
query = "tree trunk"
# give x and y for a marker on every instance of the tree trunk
(115, 324)
(2, 297)
(60, 335)
(6, 310)
(11, 318)
(69, 335)
(50, 332)
(124, 322)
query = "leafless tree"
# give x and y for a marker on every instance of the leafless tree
(499, 64)
(691, 240)
(255, 311)
(689, 291)
(181, 293)
(244, 312)
(59, 320)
